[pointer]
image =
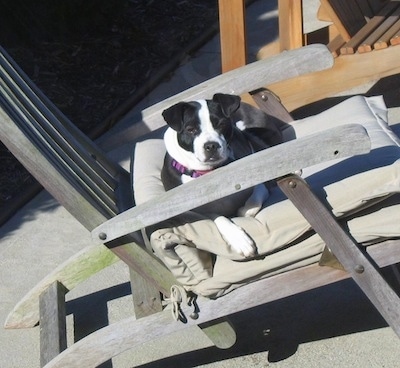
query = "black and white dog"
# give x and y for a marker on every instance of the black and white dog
(206, 134)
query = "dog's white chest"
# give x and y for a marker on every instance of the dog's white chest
(186, 178)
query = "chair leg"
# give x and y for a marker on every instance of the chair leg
(147, 301)
(355, 262)
(146, 297)
(221, 332)
(53, 336)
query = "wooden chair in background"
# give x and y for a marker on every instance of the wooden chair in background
(363, 37)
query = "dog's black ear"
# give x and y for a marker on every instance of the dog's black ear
(229, 103)
(173, 116)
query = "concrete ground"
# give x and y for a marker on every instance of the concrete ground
(335, 326)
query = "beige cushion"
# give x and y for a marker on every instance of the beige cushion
(348, 185)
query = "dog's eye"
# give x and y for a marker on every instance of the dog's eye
(190, 129)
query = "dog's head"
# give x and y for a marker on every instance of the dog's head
(204, 127)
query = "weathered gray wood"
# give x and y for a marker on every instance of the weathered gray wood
(49, 176)
(385, 255)
(286, 65)
(386, 301)
(66, 163)
(147, 301)
(53, 333)
(146, 297)
(83, 265)
(75, 270)
(262, 166)
(129, 334)
(220, 332)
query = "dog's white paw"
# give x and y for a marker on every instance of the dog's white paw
(254, 202)
(236, 237)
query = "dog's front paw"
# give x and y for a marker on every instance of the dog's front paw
(236, 237)
(255, 202)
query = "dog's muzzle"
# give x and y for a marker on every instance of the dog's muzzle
(212, 151)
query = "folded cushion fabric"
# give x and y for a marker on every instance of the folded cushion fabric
(203, 262)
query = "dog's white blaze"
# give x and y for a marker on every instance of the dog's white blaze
(186, 158)
(208, 134)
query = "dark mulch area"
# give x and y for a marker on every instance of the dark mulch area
(91, 56)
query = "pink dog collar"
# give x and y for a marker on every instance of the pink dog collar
(184, 170)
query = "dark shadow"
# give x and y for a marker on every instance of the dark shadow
(280, 327)
(90, 312)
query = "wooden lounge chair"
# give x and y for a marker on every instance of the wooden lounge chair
(363, 37)
(95, 190)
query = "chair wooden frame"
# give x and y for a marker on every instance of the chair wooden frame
(360, 58)
(95, 190)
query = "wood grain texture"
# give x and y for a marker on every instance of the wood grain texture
(53, 332)
(347, 72)
(75, 270)
(247, 172)
(146, 298)
(290, 24)
(232, 26)
(384, 41)
(372, 26)
(380, 33)
(248, 78)
(221, 332)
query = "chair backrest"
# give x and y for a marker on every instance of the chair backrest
(349, 16)
(63, 159)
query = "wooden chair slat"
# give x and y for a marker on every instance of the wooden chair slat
(384, 41)
(58, 144)
(345, 141)
(368, 44)
(335, 45)
(395, 39)
(51, 117)
(35, 94)
(128, 334)
(56, 155)
(53, 332)
(58, 132)
(351, 46)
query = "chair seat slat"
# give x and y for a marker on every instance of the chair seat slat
(369, 28)
(368, 44)
(384, 40)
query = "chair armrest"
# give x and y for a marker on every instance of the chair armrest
(271, 163)
(286, 65)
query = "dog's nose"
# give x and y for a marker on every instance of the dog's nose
(211, 146)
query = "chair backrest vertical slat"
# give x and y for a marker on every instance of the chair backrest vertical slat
(55, 147)
(53, 118)
(35, 94)
(40, 136)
